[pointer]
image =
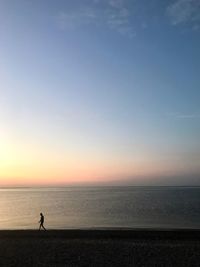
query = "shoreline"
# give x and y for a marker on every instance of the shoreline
(107, 232)
(95, 247)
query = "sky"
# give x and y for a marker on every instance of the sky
(99, 92)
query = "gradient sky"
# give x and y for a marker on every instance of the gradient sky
(99, 91)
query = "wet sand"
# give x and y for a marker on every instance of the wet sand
(100, 248)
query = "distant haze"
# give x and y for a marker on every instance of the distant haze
(99, 92)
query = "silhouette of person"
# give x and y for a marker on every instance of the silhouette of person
(41, 221)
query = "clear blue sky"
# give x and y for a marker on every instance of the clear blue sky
(100, 90)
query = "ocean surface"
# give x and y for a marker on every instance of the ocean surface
(100, 207)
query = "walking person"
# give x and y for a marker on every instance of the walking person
(41, 221)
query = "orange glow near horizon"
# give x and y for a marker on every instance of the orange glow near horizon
(34, 164)
(49, 171)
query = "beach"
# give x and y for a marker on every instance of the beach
(100, 247)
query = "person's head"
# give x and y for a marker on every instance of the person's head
(41, 214)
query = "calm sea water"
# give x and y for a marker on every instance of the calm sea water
(94, 207)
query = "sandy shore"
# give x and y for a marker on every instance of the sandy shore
(100, 248)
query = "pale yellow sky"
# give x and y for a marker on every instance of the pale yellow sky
(26, 163)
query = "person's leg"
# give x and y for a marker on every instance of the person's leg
(43, 227)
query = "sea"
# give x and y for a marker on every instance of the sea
(100, 207)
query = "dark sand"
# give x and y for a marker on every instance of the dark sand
(100, 248)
